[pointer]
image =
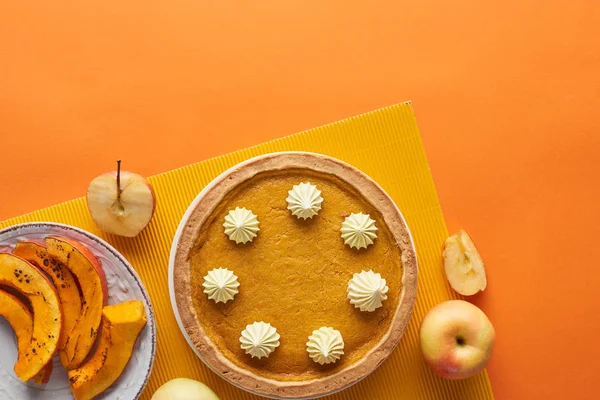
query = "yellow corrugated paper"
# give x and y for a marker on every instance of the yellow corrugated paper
(386, 145)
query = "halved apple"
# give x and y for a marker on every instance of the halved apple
(86, 268)
(47, 314)
(121, 202)
(463, 264)
(121, 325)
(21, 320)
(61, 277)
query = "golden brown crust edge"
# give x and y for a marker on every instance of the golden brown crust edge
(214, 193)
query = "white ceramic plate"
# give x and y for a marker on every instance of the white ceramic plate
(123, 284)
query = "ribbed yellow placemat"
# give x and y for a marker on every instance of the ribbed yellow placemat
(386, 145)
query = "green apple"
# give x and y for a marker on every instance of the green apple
(457, 339)
(184, 389)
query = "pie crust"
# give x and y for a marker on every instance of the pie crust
(204, 205)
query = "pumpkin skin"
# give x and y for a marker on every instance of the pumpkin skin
(86, 268)
(21, 320)
(47, 313)
(61, 277)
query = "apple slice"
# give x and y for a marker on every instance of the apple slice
(463, 264)
(86, 268)
(47, 314)
(61, 277)
(21, 320)
(121, 325)
(121, 202)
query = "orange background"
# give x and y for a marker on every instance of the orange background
(507, 97)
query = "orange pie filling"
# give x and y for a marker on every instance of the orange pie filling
(294, 275)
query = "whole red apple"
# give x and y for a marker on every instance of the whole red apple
(457, 339)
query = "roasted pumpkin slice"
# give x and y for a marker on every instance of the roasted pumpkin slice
(86, 268)
(21, 320)
(121, 325)
(63, 281)
(47, 315)
(43, 376)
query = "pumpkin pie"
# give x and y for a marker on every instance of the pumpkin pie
(292, 273)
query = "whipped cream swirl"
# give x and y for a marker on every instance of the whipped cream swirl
(259, 339)
(367, 290)
(241, 225)
(359, 230)
(221, 285)
(304, 200)
(325, 345)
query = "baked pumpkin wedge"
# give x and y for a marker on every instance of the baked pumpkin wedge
(47, 314)
(61, 277)
(43, 376)
(86, 268)
(121, 325)
(21, 320)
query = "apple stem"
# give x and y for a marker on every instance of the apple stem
(119, 190)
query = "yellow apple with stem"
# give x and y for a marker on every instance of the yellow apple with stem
(121, 202)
